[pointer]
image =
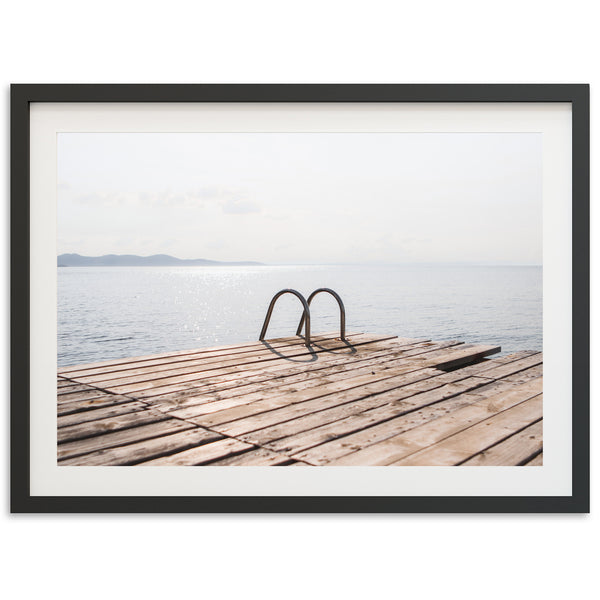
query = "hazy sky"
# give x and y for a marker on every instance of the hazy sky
(303, 197)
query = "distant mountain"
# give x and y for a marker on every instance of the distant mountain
(131, 260)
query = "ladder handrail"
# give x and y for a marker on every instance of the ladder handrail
(342, 311)
(305, 314)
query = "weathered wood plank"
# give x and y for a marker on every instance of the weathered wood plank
(238, 375)
(448, 359)
(396, 417)
(253, 458)
(190, 372)
(67, 408)
(536, 461)
(356, 431)
(290, 413)
(267, 378)
(64, 382)
(181, 382)
(456, 448)
(115, 423)
(182, 354)
(121, 438)
(286, 410)
(100, 413)
(300, 391)
(396, 448)
(72, 386)
(421, 388)
(201, 454)
(515, 450)
(526, 375)
(481, 368)
(157, 365)
(298, 348)
(280, 380)
(173, 367)
(428, 349)
(262, 413)
(516, 367)
(135, 452)
(87, 394)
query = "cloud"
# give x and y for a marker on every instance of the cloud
(231, 200)
(140, 200)
(95, 199)
(235, 206)
(228, 200)
(171, 199)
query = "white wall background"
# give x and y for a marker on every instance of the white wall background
(471, 556)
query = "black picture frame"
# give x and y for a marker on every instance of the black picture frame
(22, 95)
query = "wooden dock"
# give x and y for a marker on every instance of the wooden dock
(369, 400)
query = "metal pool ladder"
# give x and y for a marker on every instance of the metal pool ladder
(305, 319)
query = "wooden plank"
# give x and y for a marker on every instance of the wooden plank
(189, 363)
(88, 394)
(317, 415)
(72, 386)
(395, 448)
(393, 418)
(68, 408)
(512, 368)
(356, 431)
(109, 372)
(448, 359)
(201, 454)
(267, 378)
(167, 374)
(516, 450)
(183, 381)
(506, 358)
(102, 426)
(526, 375)
(536, 461)
(286, 411)
(212, 403)
(419, 389)
(460, 446)
(121, 438)
(253, 458)
(429, 348)
(282, 379)
(64, 371)
(491, 386)
(290, 413)
(246, 360)
(194, 388)
(239, 374)
(481, 368)
(100, 413)
(136, 452)
(262, 413)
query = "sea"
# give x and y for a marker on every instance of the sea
(118, 312)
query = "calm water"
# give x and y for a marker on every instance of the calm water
(118, 312)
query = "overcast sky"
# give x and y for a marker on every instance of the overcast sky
(303, 197)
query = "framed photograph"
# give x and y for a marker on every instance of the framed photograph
(386, 283)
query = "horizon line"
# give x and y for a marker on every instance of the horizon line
(491, 263)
